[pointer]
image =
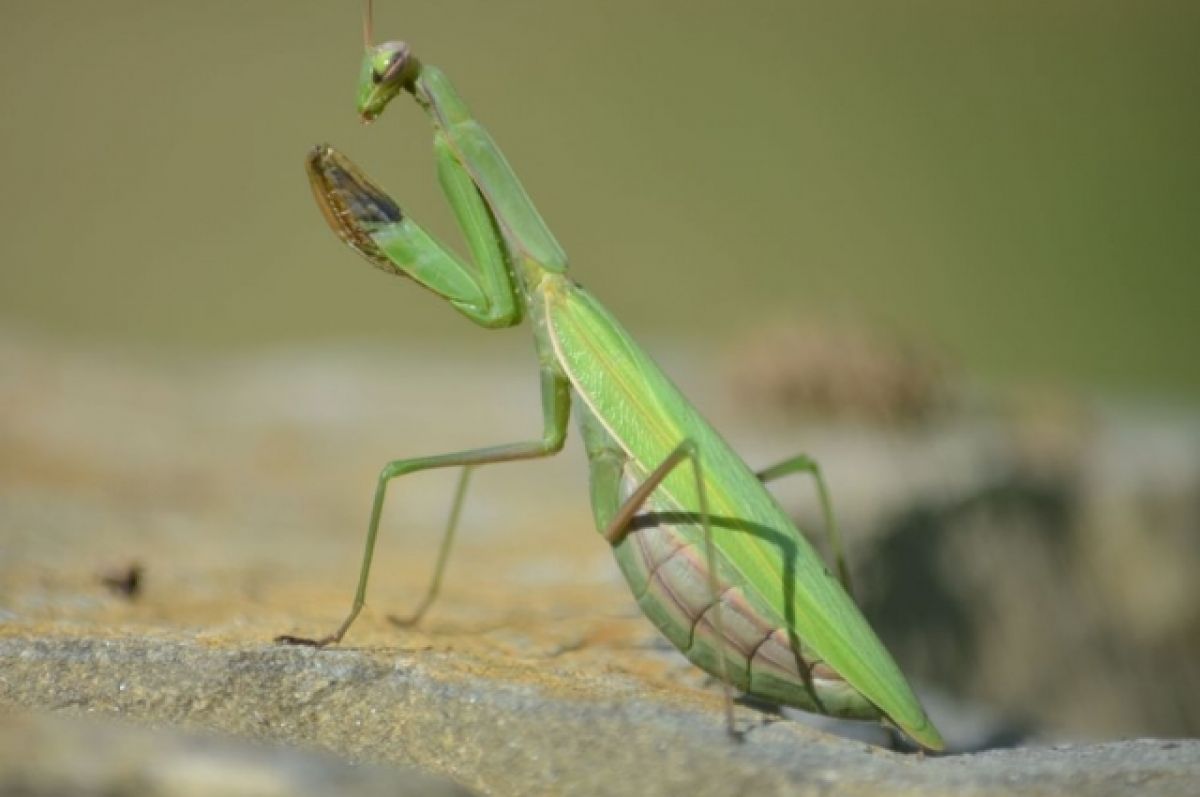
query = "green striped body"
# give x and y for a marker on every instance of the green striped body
(792, 634)
(789, 632)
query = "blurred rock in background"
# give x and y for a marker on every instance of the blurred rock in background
(1032, 549)
(823, 369)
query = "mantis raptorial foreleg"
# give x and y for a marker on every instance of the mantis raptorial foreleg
(365, 217)
(802, 463)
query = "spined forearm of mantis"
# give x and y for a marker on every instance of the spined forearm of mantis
(711, 558)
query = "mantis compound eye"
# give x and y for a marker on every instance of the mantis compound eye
(398, 65)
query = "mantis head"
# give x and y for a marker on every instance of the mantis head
(386, 69)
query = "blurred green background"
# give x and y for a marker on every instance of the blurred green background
(1018, 182)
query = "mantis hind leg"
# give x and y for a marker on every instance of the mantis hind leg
(555, 412)
(607, 466)
(803, 463)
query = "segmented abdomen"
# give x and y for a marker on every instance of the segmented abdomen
(663, 559)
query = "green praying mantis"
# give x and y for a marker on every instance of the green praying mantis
(712, 559)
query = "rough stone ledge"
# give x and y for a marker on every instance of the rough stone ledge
(45, 755)
(504, 738)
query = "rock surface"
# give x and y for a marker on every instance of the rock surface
(603, 736)
(161, 522)
(59, 756)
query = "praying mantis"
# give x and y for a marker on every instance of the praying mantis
(710, 556)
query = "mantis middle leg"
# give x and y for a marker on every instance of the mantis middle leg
(803, 463)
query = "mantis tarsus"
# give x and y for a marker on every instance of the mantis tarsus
(713, 561)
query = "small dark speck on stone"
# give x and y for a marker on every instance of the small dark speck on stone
(125, 581)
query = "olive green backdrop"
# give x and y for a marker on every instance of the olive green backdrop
(1019, 182)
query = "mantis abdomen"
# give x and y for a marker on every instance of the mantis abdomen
(663, 559)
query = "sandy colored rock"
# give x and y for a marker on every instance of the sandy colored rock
(59, 756)
(237, 492)
(603, 736)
